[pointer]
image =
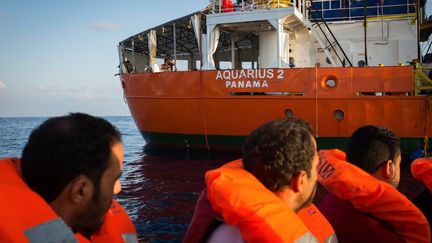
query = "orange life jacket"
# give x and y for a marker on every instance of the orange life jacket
(317, 224)
(244, 202)
(421, 169)
(26, 217)
(370, 195)
(116, 227)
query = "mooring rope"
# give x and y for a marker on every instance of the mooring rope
(426, 139)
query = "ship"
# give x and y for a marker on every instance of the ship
(206, 80)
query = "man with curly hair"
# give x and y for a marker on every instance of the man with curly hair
(278, 174)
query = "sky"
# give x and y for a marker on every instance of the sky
(60, 56)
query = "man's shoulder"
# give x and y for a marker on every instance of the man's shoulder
(352, 224)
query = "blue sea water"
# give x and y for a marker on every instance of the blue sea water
(159, 187)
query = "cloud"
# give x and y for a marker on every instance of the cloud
(83, 96)
(2, 86)
(105, 26)
(51, 91)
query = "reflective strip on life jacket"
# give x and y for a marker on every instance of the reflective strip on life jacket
(244, 202)
(317, 224)
(306, 238)
(52, 231)
(116, 227)
(129, 238)
(421, 169)
(370, 195)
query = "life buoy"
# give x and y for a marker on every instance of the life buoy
(370, 195)
(227, 6)
(244, 202)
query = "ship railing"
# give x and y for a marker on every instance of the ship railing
(422, 82)
(406, 10)
(252, 5)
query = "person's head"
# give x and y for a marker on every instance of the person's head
(376, 150)
(74, 163)
(282, 155)
(168, 59)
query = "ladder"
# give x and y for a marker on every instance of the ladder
(327, 42)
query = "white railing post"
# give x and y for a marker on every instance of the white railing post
(349, 11)
(304, 8)
(322, 9)
(133, 55)
(232, 53)
(175, 48)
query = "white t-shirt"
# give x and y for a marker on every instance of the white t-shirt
(226, 233)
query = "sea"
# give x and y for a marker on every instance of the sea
(159, 186)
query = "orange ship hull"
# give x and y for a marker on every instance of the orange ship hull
(218, 109)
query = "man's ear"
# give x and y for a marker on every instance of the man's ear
(81, 189)
(390, 170)
(298, 181)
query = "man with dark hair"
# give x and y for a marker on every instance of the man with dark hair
(279, 152)
(74, 163)
(375, 150)
(277, 174)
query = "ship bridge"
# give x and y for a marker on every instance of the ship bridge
(267, 24)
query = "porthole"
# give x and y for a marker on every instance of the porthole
(289, 113)
(339, 115)
(329, 82)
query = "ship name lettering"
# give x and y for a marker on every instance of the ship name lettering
(248, 74)
(280, 74)
(246, 84)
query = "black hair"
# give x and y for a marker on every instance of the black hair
(371, 146)
(279, 150)
(65, 147)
